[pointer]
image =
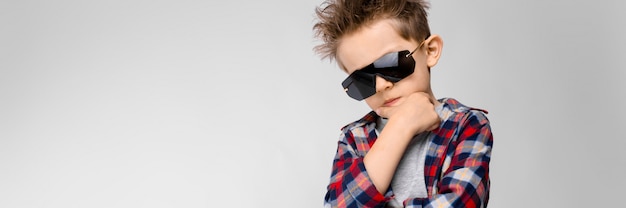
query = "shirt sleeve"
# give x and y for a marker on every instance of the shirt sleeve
(350, 185)
(465, 181)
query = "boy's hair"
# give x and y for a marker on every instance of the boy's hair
(340, 17)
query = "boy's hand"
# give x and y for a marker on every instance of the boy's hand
(416, 113)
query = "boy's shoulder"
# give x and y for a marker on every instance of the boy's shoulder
(455, 111)
(458, 107)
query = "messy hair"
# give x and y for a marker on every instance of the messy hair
(340, 17)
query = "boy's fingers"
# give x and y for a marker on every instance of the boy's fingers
(430, 98)
(435, 125)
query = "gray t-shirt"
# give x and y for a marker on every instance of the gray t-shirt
(408, 180)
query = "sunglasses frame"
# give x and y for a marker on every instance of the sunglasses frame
(361, 83)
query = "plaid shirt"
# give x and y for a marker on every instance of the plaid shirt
(456, 172)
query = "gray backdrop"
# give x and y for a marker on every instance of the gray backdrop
(223, 103)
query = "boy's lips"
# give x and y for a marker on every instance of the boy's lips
(390, 102)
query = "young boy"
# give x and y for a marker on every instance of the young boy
(412, 150)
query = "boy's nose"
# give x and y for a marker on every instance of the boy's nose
(382, 84)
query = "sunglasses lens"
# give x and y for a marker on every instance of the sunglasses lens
(392, 67)
(360, 85)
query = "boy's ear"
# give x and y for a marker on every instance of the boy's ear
(433, 44)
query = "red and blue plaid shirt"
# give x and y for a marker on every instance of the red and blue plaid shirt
(456, 169)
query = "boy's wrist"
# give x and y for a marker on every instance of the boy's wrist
(401, 129)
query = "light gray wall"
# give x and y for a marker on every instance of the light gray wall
(223, 103)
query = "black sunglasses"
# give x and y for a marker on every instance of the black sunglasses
(392, 67)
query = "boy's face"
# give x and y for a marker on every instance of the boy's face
(361, 48)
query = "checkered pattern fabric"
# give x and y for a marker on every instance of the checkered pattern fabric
(456, 170)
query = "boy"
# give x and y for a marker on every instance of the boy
(412, 150)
